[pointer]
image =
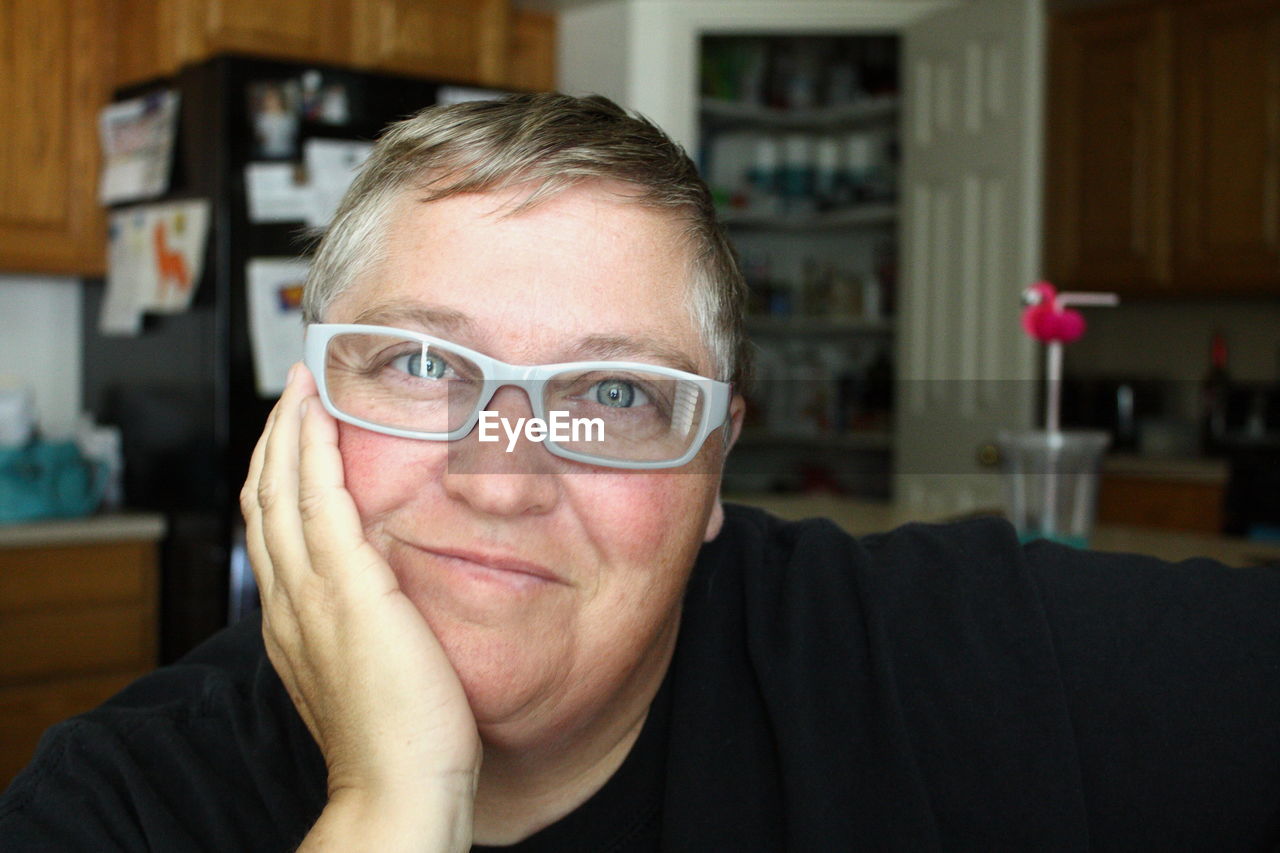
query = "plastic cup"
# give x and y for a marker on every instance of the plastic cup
(1051, 483)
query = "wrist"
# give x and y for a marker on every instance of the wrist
(438, 819)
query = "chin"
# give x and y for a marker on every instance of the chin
(512, 673)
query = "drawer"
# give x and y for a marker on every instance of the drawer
(41, 644)
(37, 578)
(25, 712)
(1160, 502)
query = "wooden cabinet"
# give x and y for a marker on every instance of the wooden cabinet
(63, 58)
(54, 77)
(468, 41)
(1227, 199)
(158, 38)
(1109, 150)
(531, 51)
(77, 623)
(1162, 502)
(1163, 167)
(465, 40)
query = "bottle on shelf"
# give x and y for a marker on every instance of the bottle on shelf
(797, 174)
(1215, 392)
(859, 168)
(826, 173)
(763, 178)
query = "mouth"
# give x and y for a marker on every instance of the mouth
(489, 565)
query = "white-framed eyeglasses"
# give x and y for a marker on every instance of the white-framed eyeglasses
(619, 414)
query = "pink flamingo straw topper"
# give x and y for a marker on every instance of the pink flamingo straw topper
(1047, 319)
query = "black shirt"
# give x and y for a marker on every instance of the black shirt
(933, 688)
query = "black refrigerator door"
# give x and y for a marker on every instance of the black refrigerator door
(183, 391)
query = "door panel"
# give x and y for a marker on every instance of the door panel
(457, 40)
(54, 78)
(1110, 140)
(1227, 194)
(971, 229)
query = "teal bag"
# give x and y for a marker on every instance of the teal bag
(48, 479)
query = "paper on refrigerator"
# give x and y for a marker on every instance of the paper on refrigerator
(331, 164)
(155, 258)
(310, 192)
(275, 319)
(137, 147)
(275, 193)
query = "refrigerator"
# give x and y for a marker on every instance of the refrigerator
(183, 391)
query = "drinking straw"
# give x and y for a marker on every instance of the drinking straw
(1048, 319)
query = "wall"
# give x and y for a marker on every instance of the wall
(1170, 340)
(40, 345)
(593, 50)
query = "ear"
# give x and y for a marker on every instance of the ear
(716, 520)
(737, 407)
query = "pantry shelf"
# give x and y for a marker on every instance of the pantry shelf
(722, 114)
(863, 215)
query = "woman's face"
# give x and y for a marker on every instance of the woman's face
(554, 586)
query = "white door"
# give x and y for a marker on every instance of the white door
(970, 243)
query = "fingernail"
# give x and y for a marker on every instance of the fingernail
(293, 371)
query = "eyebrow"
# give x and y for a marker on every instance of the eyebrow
(633, 348)
(417, 317)
(449, 322)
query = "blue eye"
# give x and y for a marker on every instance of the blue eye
(619, 394)
(423, 365)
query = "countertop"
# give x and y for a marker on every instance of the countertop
(861, 516)
(94, 529)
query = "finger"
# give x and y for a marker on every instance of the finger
(278, 491)
(252, 512)
(331, 521)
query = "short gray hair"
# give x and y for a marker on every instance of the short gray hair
(552, 141)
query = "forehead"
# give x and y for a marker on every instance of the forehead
(587, 263)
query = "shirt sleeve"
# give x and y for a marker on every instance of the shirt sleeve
(86, 790)
(207, 754)
(1171, 674)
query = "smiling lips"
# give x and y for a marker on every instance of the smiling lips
(491, 566)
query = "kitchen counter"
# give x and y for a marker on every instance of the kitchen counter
(862, 516)
(94, 529)
(1190, 469)
(79, 620)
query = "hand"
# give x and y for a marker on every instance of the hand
(360, 663)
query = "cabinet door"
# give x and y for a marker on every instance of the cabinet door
(1227, 193)
(316, 30)
(158, 38)
(1108, 150)
(54, 77)
(531, 54)
(463, 40)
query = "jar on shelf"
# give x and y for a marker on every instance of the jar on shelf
(796, 182)
(764, 178)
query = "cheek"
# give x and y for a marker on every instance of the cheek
(382, 472)
(640, 517)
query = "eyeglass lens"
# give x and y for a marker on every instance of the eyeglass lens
(405, 384)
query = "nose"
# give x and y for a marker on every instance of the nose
(496, 481)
